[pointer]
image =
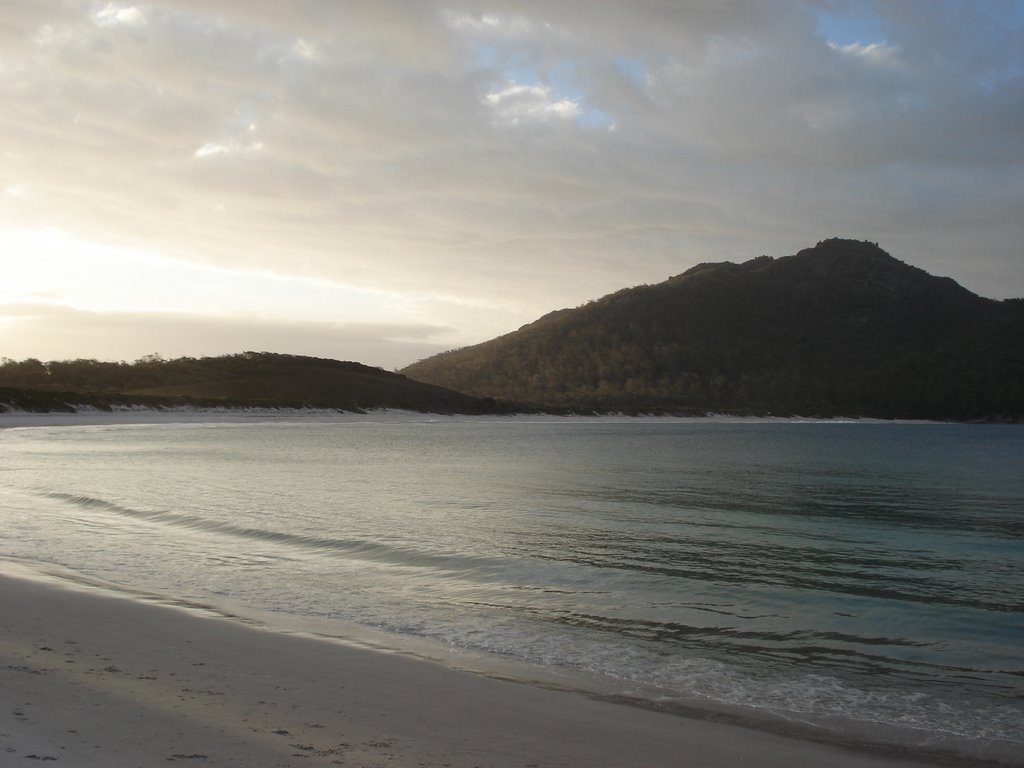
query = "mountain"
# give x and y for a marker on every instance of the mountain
(842, 328)
(250, 379)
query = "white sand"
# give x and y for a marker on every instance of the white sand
(188, 415)
(93, 417)
(90, 679)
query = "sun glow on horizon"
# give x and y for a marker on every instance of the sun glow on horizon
(53, 266)
(54, 277)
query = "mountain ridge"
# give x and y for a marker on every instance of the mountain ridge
(842, 328)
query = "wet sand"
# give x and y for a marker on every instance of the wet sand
(90, 678)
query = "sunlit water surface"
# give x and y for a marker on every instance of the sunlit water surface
(866, 579)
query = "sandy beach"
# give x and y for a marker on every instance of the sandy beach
(86, 417)
(91, 678)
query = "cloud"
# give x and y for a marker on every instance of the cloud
(874, 53)
(449, 149)
(517, 103)
(65, 333)
(113, 14)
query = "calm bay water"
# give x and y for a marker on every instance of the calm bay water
(863, 580)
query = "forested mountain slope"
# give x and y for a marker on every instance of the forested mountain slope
(246, 379)
(839, 329)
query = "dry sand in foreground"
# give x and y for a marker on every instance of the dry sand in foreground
(88, 679)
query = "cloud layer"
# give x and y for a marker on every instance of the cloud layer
(501, 159)
(69, 331)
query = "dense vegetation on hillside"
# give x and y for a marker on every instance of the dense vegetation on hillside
(839, 329)
(246, 379)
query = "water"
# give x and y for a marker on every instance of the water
(849, 581)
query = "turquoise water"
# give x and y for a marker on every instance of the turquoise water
(856, 581)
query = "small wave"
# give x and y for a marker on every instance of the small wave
(357, 548)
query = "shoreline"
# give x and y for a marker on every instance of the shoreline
(188, 415)
(105, 679)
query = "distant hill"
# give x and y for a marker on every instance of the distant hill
(839, 329)
(249, 379)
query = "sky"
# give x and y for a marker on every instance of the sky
(380, 180)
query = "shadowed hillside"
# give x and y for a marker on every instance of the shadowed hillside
(839, 329)
(247, 379)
